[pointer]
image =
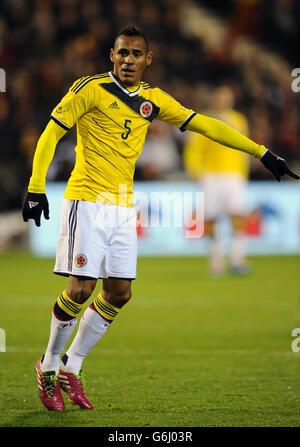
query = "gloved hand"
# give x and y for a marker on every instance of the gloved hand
(33, 206)
(277, 166)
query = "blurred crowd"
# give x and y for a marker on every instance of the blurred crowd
(46, 44)
(274, 23)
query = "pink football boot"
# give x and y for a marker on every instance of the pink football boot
(72, 385)
(49, 389)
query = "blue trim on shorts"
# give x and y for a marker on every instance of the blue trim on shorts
(72, 229)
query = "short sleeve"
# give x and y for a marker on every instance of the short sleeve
(74, 104)
(172, 112)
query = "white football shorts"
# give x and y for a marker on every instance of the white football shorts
(96, 240)
(224, 193)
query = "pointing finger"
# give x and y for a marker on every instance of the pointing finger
(292, 174)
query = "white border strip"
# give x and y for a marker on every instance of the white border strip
(55, 118)
(123, 88)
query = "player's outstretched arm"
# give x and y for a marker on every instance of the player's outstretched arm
(35, 201)
(227, 136)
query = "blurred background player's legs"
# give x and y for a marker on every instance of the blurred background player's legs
(237, 254)
(224, 194)
(211, 185)
(235, 207)
(237, 250)
(216, 255)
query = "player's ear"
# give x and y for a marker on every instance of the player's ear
(111, 55)
(149, 58)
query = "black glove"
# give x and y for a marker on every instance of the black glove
(277, 166)
(33, 206)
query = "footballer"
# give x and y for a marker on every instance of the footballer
(97, 240)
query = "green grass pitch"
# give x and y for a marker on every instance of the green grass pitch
(187, 351)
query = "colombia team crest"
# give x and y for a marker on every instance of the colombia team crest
(81, 260)
(146, 109)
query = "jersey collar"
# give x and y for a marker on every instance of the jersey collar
(136, 92)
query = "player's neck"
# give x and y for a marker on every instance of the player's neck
(130, 87)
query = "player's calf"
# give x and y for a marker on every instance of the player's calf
(63, 322)
(94, 323)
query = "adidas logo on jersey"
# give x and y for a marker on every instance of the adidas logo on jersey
(32, 204)
(114, 105)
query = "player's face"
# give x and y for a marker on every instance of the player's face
(130, 58)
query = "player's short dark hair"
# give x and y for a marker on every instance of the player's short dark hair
(133, 30)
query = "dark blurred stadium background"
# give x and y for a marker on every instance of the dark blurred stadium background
(46, 44)
(190, 352)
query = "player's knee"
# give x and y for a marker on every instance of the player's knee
(79, 290)
(79, 295)
(119, 297)
(123, 300)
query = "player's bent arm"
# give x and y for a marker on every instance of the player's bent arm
(224, 134)
(43, 156)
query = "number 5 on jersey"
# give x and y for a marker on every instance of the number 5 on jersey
(125, 134)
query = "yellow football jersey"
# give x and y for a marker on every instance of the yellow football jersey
(112, 122)
(203, 155)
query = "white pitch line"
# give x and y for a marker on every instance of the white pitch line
(242, 352)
